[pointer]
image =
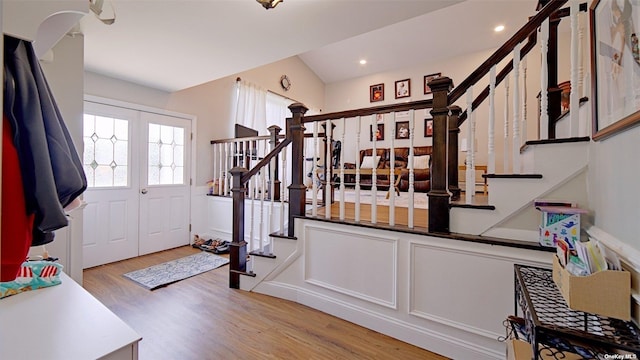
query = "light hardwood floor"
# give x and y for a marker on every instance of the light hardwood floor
(201, 318)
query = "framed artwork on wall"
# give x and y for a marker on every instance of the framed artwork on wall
(379, 132)
(402, 130)
(615, 66)
(428, 127)
(427, 78)
(376, 92)
(403, 88)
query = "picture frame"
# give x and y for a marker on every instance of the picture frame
(615, 68)
(403, 88)
(427, 78)
(428, 127)
(376, 92)
(402, 130)
(379, 132)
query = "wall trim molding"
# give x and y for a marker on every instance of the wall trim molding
(402, 330)
(627, 253)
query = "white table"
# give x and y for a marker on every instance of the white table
(63, 322)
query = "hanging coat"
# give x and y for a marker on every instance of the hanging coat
(51, 168)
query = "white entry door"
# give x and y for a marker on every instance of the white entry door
(164, 191)
(138, 198)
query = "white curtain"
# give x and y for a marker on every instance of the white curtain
(250, 107)
(278, 110)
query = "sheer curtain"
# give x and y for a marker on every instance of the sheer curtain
(250, 107)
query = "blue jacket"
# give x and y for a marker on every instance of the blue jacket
(52, 172)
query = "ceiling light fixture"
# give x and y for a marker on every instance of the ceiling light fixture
(363, 62)
(269, 4)
(498, 28)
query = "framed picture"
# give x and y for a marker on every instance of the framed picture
(403, 88)
(376, 92)
(402, 130)
(428, 127)
(427, 78)
(379, 132)
(615, 62)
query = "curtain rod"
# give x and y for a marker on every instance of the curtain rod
(238, 79)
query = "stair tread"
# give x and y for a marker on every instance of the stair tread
(512, 176)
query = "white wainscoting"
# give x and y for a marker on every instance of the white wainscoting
(351, 263)
(448, 296)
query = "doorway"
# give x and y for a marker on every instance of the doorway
(137, 164)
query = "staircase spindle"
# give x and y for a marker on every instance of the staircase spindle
(374, 177)
(515, 145)
(411, 190)
(327, 170)
(505, 146)
(523, 128)
(283, 154)
(263, 187)
(469, 183)
(342, 210)
(252, 195)
(544, 81)
(574, 99)
(357, 188)
(314, 172)
(391, 193)
(491, 146)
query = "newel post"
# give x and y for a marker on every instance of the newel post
(274, 131)
(297, 189)
(438, 195)
(454, 130)
(238, 247)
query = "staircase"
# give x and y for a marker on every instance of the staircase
(424, 285)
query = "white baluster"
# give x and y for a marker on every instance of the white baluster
(227, 177)
(544, 81)
(283, 187)
(314, 172)
(411, 174)
(221, 173)
(491, 146)
(263, 187)
(391, 193)
(505, 150)
(342, 123)
(574, 98)
(327, 172)
(515, 145)
(469, 186)
(252, 189)
(374, 188)
(357, 189)
(523, 128)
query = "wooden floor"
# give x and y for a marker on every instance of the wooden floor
(201, 318)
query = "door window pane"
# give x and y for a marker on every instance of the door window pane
(106, 151)
(166, 155)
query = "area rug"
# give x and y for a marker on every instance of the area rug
(420, 200)
(169, 272)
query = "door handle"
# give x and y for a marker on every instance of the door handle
(143, 191)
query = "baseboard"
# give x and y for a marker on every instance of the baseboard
(436, 341)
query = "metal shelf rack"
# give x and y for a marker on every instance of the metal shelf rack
(553, 329)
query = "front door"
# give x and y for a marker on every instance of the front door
(138, 199)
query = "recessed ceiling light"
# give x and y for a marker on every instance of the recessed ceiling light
(498, 28)
(363, 62)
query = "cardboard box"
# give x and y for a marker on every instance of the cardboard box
(606, 293)
(522, 350)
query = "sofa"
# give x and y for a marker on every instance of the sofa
(422, 161)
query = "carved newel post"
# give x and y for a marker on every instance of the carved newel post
(274, 131)
(238, 247)
(454, 130)
(297, 189)
(438, 195)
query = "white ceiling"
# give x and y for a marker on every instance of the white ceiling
(175, 44)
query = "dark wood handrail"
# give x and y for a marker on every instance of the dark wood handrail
(262, 163)
(506, 49)
(415, 105)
